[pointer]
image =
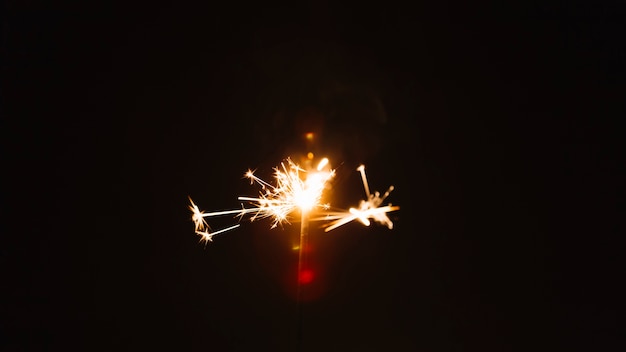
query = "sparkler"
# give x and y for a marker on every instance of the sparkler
(294, 191)
(298, 189)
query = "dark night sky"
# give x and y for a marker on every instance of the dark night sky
(497, 125)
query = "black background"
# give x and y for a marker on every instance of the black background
(499, 127)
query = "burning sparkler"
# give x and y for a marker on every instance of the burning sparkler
(294, 191)
(298, 189)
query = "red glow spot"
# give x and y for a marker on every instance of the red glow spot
(306, 276)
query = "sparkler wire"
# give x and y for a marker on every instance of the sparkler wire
(302, 257)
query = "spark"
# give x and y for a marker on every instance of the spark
(208, 236)
(368, 209)
(197, 217)
(201, 226)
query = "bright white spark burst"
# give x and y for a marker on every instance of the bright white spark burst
(291, 192)
(298, 189)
